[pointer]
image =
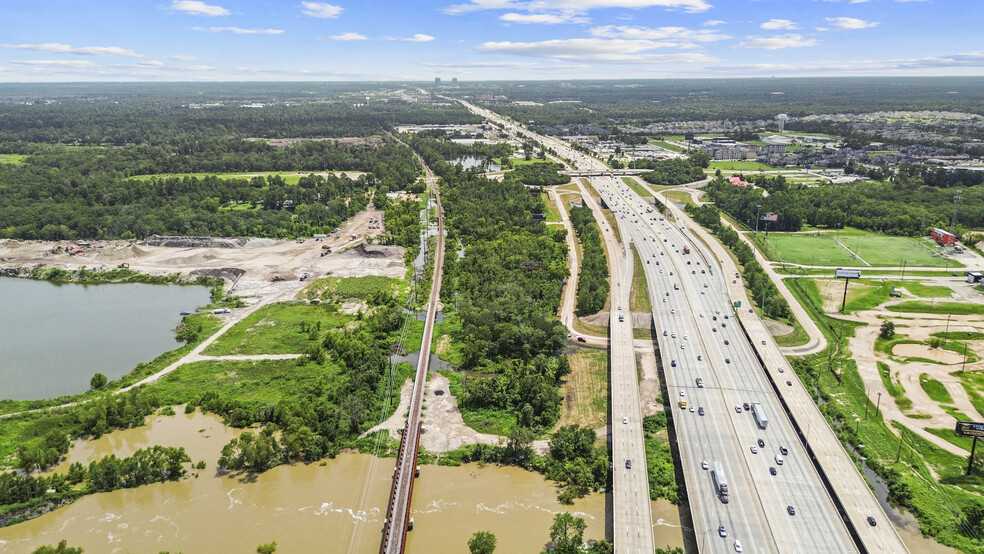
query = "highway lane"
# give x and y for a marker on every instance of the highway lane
(737, 382)
(757, 512)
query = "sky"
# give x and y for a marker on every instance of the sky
(373, 40)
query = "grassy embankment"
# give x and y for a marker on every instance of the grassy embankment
(844, 247)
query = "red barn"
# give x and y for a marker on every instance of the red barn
(944, 238)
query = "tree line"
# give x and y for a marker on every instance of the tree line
(592, 284)
(761, 287)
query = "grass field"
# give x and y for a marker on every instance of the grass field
(935, 389)
(954, 308)
(740, 166)
(553, 216)
(586, 389)
(279, 329)
(679, 197)
(634, 185)
(12, 158)
(876, 249)
(639, 298)
(664, 144)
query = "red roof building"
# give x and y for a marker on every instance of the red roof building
(944, 238)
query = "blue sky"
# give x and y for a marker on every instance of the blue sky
(342, 40)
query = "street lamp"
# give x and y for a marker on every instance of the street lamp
(879, 401)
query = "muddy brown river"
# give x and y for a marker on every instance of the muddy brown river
(334, 507)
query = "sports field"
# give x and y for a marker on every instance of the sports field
(853, 247)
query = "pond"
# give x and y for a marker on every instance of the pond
(56, 336)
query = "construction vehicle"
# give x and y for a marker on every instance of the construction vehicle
(123, 265)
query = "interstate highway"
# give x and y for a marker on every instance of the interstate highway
(757, 514)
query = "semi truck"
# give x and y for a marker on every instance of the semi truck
(759, 414)
(720, 483)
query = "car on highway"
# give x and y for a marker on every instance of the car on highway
(763, 342)
(783, 450)
(700, 410)
(683, 392)
(745, 405)
(703, 464)
(772, 470)
(755, 450)
(761, 443)
(722, 531)
(700, 383)
(789, 383)
(625, 419)
(779, 459)
(685, 337)
(727, 360)
(726, 342)
(715, 318)
(791, 510)
(699, 357)
(737, 409)
(666, 333)
(691, 408)
(714, 329)
(628, 464)
(673, 335)
(737, 546)
(672, 363)
(723, 324)
(871, 521)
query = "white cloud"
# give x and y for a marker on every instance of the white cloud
(774, 24)
(528, 66)
(850, 23)
(777, 42)
(968, 59)
(240, 30)
(714, 23)
(78, 64)
(58, 48)
(682, 34)
(321, 9)
(544, 18)
(184, 58)
(419, 37)
(576, 6)
(593, 49)
(348, 36)
(193, 7)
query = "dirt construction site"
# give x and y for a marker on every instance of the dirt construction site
(255, 267)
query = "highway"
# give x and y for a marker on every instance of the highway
(693, 320)
(703, 339)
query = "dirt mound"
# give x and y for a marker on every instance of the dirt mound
(195, 242)
(261, 243)
(230, 273)
(377, 251)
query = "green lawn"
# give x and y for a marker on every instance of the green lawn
(12, 158)
(634, 185)
(283, 328)
(935, 389)
(876, 249)
(679, 197)
(955, 308)
(289, 177)
(553, 216)
(740, 166)
(664, 144)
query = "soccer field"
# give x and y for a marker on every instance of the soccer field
(838, 248)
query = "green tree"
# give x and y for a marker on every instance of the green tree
(62, 548)
(482, 542)
(567, 533)
(887, 331)
(268, 548)
(98, 381)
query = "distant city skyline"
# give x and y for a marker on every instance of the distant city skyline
(420, 40)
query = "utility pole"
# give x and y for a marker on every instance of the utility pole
(946, 330)
(879, 400)
(758, 208)
(903, 269)
(901, 435)
(956, 205)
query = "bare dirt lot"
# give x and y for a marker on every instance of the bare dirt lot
(264, 264)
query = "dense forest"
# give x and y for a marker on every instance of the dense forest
(640, 102)
(507, 289)
(592, 284)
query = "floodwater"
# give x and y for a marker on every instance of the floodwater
(56, 336)
(923, 351)
(335, 507)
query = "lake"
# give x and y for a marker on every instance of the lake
(54, 337)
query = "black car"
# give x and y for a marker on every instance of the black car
(628, 464)
(772, 470)
(761, 443)
(745, 405)
(783, 450)
(871, 521)
(726, 341)
(791, 510)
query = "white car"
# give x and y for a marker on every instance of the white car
(625, 419)
(683, 392)
(703, 464)
(737, 546)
